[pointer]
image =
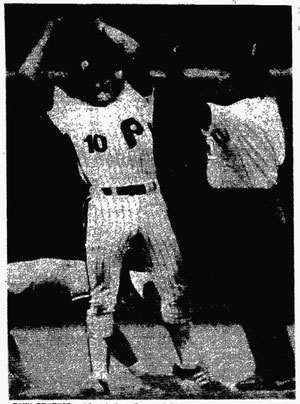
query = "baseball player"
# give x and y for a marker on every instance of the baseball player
(109, 122)
(246, 148)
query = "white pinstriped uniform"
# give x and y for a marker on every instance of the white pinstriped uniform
(112, 219)
(256, 146)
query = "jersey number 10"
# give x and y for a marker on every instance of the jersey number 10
(130, 127)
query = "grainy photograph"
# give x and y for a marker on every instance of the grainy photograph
(150, 217)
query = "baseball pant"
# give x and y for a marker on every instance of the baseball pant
(112, 221)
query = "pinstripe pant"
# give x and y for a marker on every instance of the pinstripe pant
(112, 221)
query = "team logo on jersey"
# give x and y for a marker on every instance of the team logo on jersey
(130, 129)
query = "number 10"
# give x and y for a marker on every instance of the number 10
(92, 141)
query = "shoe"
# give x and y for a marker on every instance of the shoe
(197, 373)
(258, 382)
(200, 375)
(137, 370)
(95, 387)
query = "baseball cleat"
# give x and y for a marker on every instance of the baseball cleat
(95, 387)
(258, 382)
(199, 375)
(138, 370)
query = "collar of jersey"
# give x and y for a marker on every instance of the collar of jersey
(59, 93)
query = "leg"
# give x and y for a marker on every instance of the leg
(99, 327)
(273, 355)
(106, 244)
(100, 320)
(166, 259)
(271, 349)
(263, 317)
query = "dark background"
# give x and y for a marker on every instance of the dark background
(237, 252)
(210, 35)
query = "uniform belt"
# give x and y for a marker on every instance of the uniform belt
(130, 189)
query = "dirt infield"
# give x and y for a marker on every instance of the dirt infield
(56, 361)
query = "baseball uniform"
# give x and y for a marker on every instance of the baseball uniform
(253, 147)
(110, 128)
(115, 149)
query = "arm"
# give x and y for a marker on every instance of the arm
(31, 64)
